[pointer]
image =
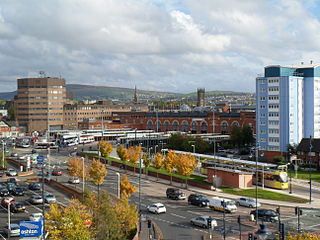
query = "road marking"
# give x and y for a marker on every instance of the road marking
(179, 216)
(197, 213)
(314, 226)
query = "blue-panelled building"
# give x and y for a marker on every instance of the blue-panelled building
(288, 106)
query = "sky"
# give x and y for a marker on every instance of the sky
(165, 45)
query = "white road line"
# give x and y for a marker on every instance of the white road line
(179, 216)
(314, 226)
(197, 213)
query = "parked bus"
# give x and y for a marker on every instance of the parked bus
(86, 139)
(68, 140)
(45, 145)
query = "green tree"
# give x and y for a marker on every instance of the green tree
(97, 173)
(235, 136)
(279, 160)
(12, 113)
(247, 135)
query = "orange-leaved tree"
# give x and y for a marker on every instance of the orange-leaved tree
(158, 163)
(105, 148)
(134, 155)
(303, 236)
(146, 161)
(75, 166)
(123, 154)
(185, 165)
(97, 173)
(126, 188)
(169, 163)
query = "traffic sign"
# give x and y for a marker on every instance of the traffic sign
(30, 229)
(40, 159)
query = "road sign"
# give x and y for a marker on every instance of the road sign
(30, 229)
(40, 159)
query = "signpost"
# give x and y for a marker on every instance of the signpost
(30, 229)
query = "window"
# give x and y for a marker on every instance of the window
(175, 125)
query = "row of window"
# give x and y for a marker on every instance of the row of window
(41, 87)
(41, 92)
(273, 97)
(273, 80)
(42, 97)
(273, 114)
(272, 130)
(39, 114)
(273, 106)
(41, 103)
(39, 120)
(273, 89)
(87, 113)
(273, 139)
(39, 109)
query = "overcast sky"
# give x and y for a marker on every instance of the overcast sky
(170, 45)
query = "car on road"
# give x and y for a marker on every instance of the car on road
(175, 193)
(2, 174)
(74, 180)
(56, 173)
(198, 200)
(4, 191)
(6, 201)
(202, 221)
(49, 198)
(35, 217)
(265, 215)
(11, 180)
(14, 154)
(12, 172)
(14, 230)
(157, 208)
(35, 186)
(247, 202)
(17, 207)
(18, 191)
(35, 199)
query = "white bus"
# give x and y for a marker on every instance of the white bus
(86, 139)
(68, 140)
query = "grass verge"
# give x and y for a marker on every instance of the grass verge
(315, 175)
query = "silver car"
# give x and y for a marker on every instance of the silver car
(247, 202)
(50, 198)
(202, 221)
(35, 199)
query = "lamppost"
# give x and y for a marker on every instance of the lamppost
(155, 149)
(140, 160)
(194, 148)
(118, 184)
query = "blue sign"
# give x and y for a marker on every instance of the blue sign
(40, 159)
(30, 229)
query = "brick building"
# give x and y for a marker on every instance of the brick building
(305, 155)
(191, 121)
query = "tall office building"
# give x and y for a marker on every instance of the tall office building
(288, 106)
(39, 103)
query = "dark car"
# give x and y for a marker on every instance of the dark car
(18, 191)
(4, 192)
(35, 186)
(2, 174)
(175, 193)
(198, 200)
(265, 215)
(11, 180)
(11, 186)
(17, 207)
(56, 173)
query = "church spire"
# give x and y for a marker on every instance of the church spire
(135, 96)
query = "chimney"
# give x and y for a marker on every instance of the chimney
(311, 62)
(301, 63)
(201, 93)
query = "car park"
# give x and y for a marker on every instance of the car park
(17, 207)
(35, 217)
(35, 186)
(198, 200)
(49, 198)
(14, 230)
(175, 193)
(265, 215)
(6, 201)
(74, 180)
(202, 221)
(247, 202)
(18, 191)
(35, 199)
(157, 208)
(56, 173)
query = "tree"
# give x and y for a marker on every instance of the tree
(158, 163)
(169, 163)
(146, 161)
(72, 222)
(123, 154)
(247, 135)
(185, 165)
(303, 236)
(134, 154)
(126, 188)
(279, 160)
(97, 173)
(75, 167)
(235, 136)
(105, 148)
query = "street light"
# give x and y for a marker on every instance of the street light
(263, 232)
(194, 148)
(118, 185)
(140, 160)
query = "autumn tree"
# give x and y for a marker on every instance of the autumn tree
(123, 154)
(126, 188)
(303, 236)
(146, 161)
(158, 163)
(75, 167)
(60, 219)
(185, 165)
(169, 163)
(134, 154)
(97, 173)
(105, 148)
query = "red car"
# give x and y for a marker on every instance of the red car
(56, 173)
(5, 201)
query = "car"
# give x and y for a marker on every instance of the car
(14, 230)
(35, 186)
(157, 208)
(74, 180)
(198, 200)
(14, 154)
(49, 198)
(12, 172)
(18, 191)
(17, 207)
(2, 174)
(33, 151)
(11, 186)
(35, 217)
(175, 193)
(247, 202)
(202, 221)
(265, 215)
(4, 191)
(11, 180)
(35, 199)
(56, 173)
(6, 201)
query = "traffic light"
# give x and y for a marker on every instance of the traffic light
(297, 211)
(239, 219)
(278, 210)
(250, 236)
(149, 223)
(209, 221)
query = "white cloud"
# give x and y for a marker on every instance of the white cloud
(170, 45)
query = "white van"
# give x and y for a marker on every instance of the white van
(216, 203)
